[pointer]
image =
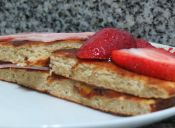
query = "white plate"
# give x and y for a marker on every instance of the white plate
(20, 107)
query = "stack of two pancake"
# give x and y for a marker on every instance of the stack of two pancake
(47, 63)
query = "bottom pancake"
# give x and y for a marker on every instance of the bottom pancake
(78, 92)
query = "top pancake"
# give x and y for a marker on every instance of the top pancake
(108, 75)
(35, 48)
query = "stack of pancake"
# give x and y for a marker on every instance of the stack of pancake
(47, 62)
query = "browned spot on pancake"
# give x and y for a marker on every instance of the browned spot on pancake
(30, 42)
(32, 69)
(5, 62)
(66, 52)
(89, 91)
(36, 70)
(19, 42)
(162, 104)
(40, 62)
(54, 77)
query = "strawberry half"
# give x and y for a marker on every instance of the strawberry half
(141, 43)
(147, 61)
(103, 42)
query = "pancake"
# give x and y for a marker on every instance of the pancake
(108, 75)
(35, 48)
(88, 95)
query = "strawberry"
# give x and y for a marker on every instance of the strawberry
(143, 44)
(101, 44)
(147, 61)
(172, 50)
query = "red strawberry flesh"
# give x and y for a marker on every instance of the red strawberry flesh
(141, 43)
(147, 61)
(101, 44)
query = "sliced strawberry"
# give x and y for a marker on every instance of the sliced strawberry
(172, 50)
(101, 44)
(147, 61)
(141, 43)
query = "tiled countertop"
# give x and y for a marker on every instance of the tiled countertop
(153, 20)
